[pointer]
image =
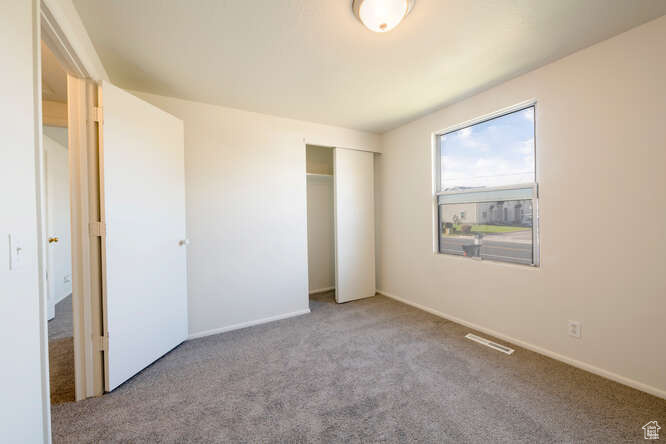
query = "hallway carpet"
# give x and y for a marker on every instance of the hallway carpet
(61, 326)
(61, 370)
(61, 353)
(372, 370)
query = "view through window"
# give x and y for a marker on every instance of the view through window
(487, 192)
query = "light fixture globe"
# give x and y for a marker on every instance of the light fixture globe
(381, 15)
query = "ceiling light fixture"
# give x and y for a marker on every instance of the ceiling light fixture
(381, 15)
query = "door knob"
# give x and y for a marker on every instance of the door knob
(184, 242)
(53, 239)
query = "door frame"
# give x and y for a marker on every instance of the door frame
(86, 237)
(58, 24)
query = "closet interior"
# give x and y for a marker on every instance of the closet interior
(340, 218)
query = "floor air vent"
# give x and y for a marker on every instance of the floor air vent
(491, 344)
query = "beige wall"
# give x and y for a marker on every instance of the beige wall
(601, 155)
(246, 211)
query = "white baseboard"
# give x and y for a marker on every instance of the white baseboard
(322, 290)
(216, 331)
(579, 364)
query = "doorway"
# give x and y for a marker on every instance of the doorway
(340, 223)
(137, 283)
(321, 228)
(55, 146)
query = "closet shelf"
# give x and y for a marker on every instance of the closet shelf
(319, 175)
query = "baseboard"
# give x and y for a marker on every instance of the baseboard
(322, 290)
(542, 351)
(216, 331)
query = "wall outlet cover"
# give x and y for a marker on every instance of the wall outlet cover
(16, 253)
(575, 328)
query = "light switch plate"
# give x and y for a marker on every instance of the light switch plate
(16, 253)
(575, 329)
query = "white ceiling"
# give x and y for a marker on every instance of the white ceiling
(312, 59)
(54, 77)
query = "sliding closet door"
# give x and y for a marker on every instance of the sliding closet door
(354, 225)
(143, 203)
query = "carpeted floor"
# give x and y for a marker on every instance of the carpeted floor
(61, 353)
(61, 370)
(366, 371)
(61, 325)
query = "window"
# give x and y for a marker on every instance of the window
(487, 191)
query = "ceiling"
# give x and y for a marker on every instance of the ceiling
(313, 60)
(54, 77)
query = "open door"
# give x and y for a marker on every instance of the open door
(354, 225)
(143, 210)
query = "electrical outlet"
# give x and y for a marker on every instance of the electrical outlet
(575, 329)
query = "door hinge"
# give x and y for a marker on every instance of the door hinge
(103, 343)
(97, 229)
(97, 114)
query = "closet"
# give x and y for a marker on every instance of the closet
(341, 226)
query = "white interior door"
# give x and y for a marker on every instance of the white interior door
(143, 202)
(59, 256)
(354, 225)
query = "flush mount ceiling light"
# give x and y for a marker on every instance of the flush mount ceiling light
(381, 15)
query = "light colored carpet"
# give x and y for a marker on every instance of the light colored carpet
(366, 371)
(61, 326)
(61, 353)
(61, 370)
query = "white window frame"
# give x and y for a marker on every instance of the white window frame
(498, 193)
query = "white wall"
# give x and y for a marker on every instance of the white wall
(246, 211)
(21, 411)
(601, 154)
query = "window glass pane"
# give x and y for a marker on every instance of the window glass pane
(493, 153)
(487, 195)
(500, 230)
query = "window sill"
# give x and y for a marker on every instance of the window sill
(455, 257)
